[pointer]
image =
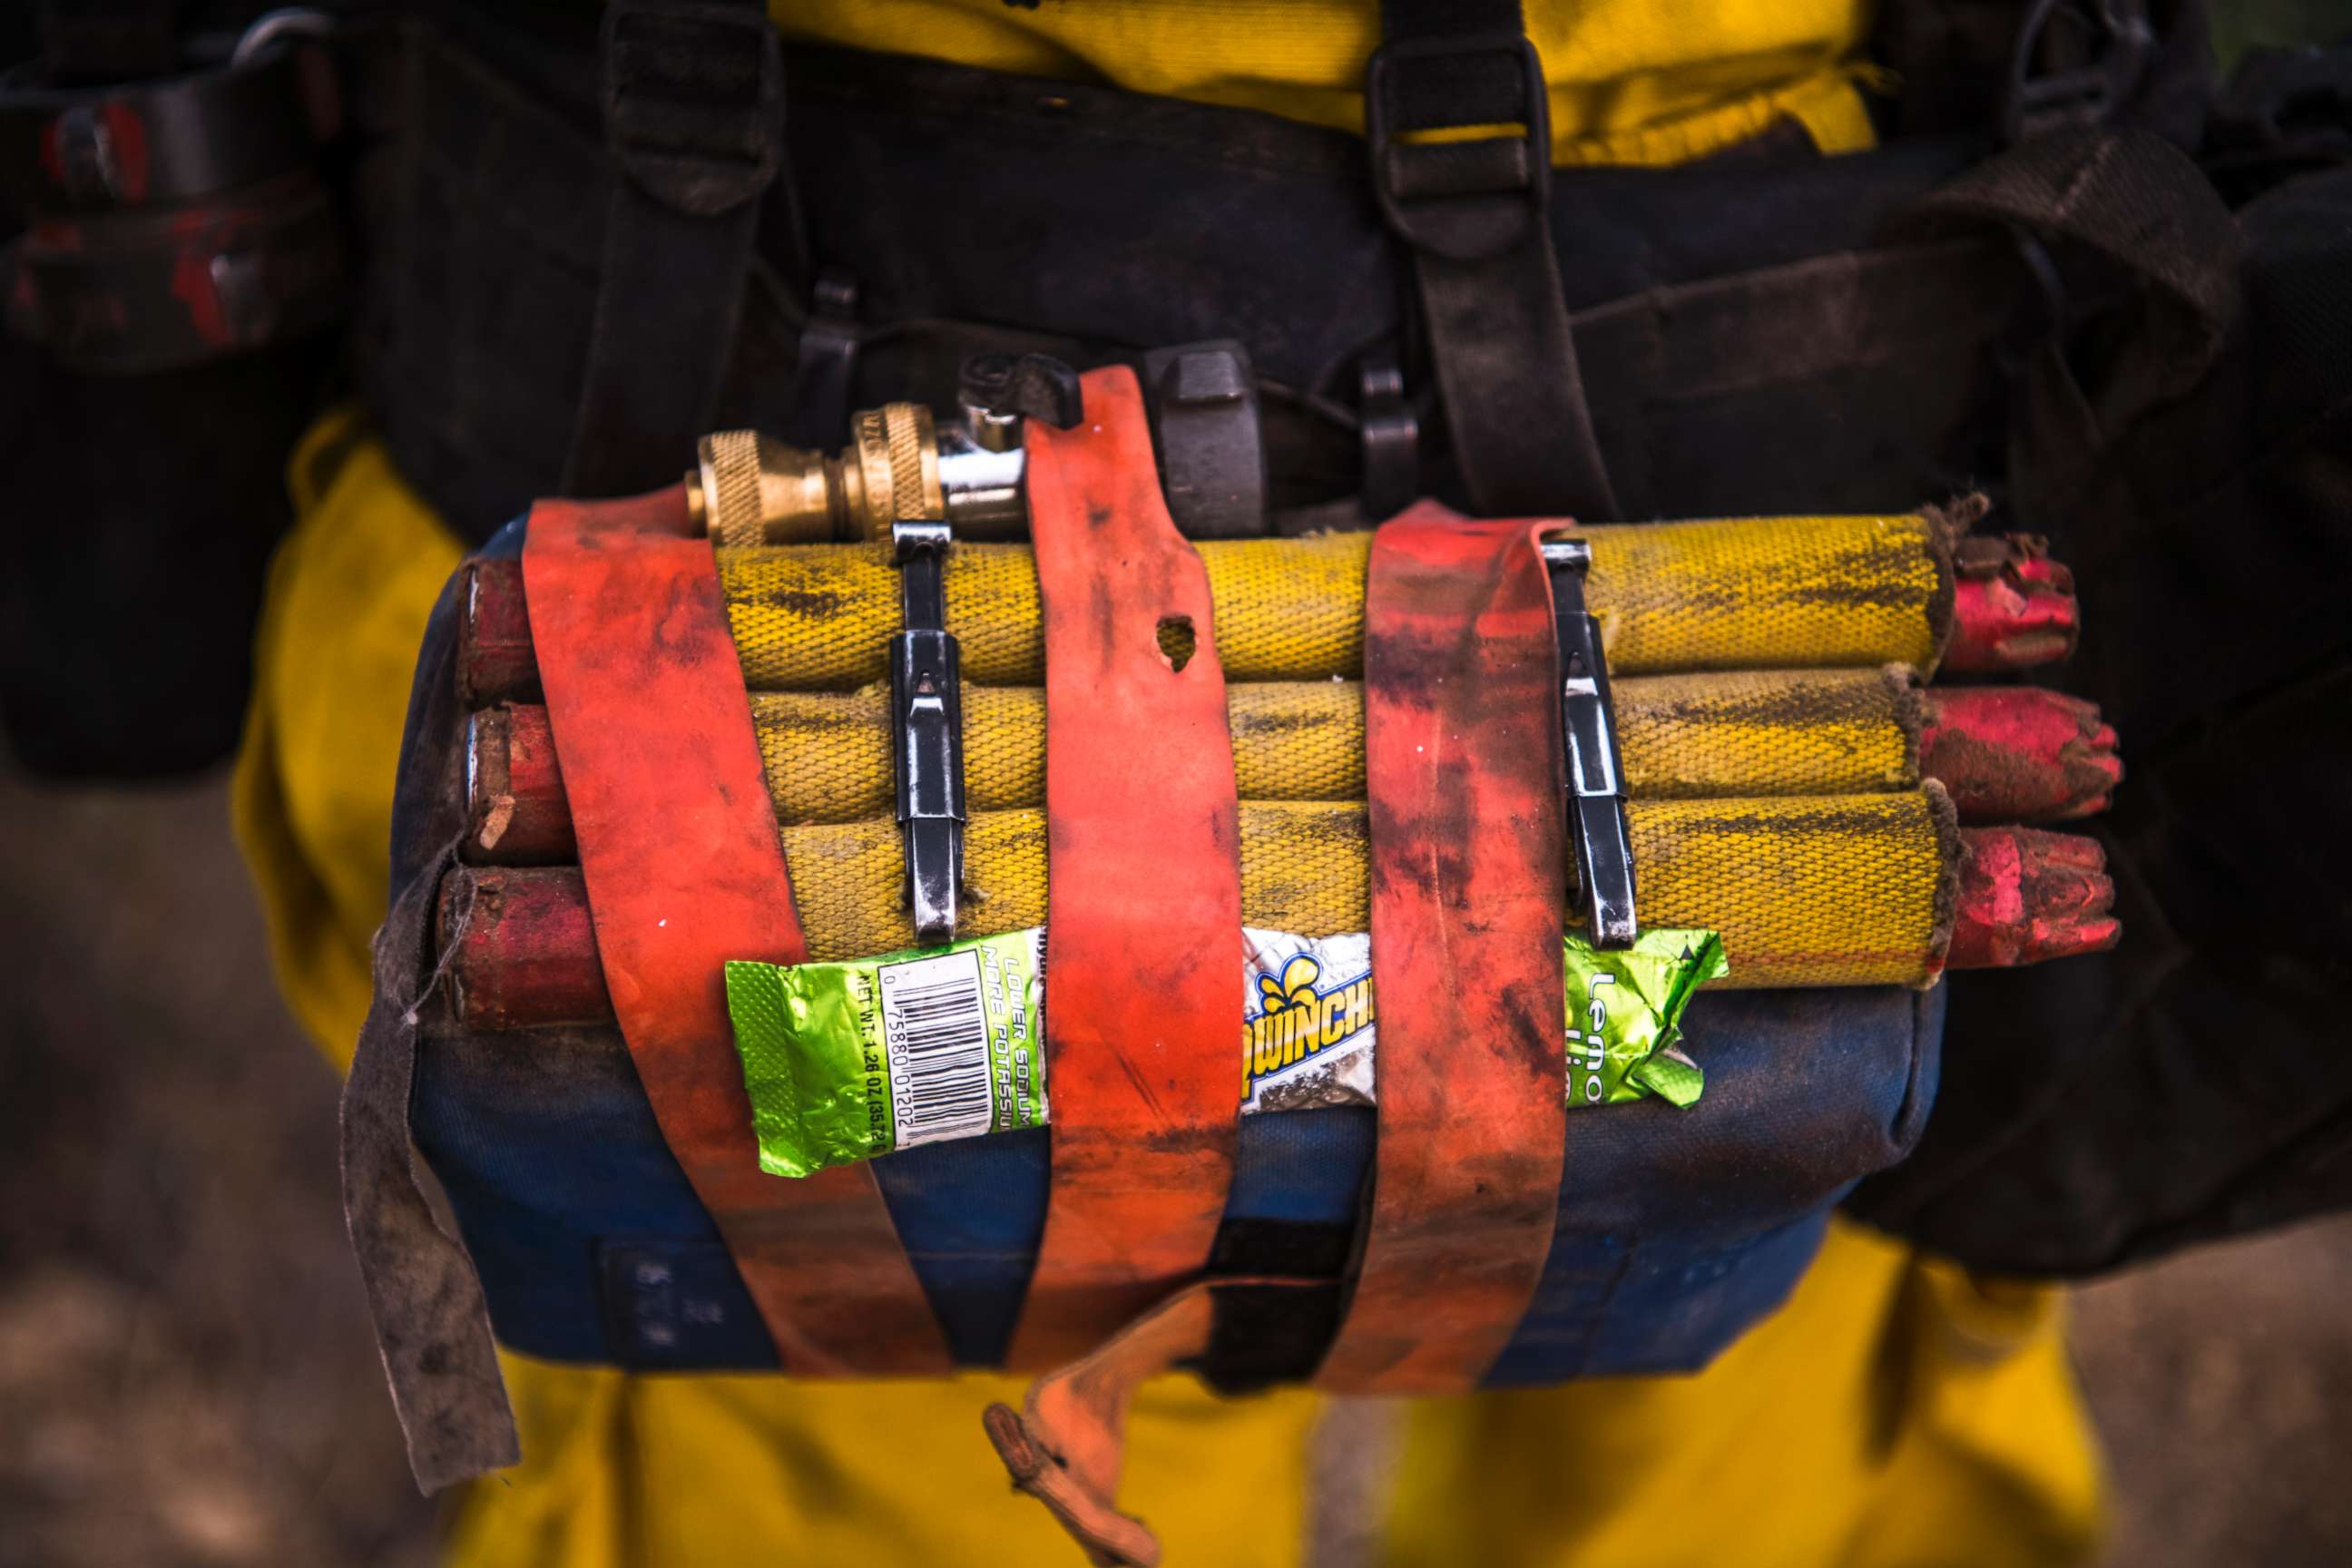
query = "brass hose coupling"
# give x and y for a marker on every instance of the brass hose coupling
(900, 466)
(749, 489)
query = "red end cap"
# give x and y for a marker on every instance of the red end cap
(2012, 606)
(2019, 754)
(2026, 897)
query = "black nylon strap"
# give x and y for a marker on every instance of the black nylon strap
(2137, 208)
(694, 114)
(1475, 215)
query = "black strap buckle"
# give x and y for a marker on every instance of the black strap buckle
(2117, 42)
(694, 101)
(1469, 199)
(172, 221)
(927, 733)
(1600, 846)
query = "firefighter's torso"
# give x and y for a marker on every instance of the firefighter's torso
(1084, 606)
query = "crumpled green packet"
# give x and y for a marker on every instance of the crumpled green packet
(846, 1061)
(1625, 1012)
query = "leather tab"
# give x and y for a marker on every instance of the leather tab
(678, 847)
(1462, 763)
(1143, 892)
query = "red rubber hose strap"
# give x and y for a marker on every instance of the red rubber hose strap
(678, 847)
(1143, 958)
(1462, 763)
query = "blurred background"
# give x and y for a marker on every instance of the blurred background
(186, 1375)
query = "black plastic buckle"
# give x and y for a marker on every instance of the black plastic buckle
(2121, 41)
(1600, 846)
(927, 733)
(1463, 200)
(694, 101)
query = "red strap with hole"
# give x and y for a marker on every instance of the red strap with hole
(1144, 956)
(1461, 765)
(678, 847)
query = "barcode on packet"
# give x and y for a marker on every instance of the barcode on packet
(938, 1039)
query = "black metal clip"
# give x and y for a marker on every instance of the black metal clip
(1603, 849)
(927, 733)
(817, 408)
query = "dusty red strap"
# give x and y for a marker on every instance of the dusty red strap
(677, 844)
(1143, 888)
(1461, 750)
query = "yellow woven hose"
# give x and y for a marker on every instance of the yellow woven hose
(1751, 733)
(1749, 593)
(1819, 890)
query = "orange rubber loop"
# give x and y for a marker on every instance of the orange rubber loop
(1462, 763)
(1066, 1444)
(1143, 888)
(678, 847)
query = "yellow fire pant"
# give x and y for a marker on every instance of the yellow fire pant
(1895, 1412)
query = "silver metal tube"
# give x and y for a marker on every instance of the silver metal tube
(985, 491)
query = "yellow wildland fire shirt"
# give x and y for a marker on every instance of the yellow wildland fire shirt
(1631, 81)
(1895, 1412)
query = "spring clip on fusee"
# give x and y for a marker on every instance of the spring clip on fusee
(998, 393)
(1600, 849)
(927, 733)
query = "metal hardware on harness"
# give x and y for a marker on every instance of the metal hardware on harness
(169, 220)
(1600, 849)
(2114, 42)
(1390, 436)
(273, 29)
(927, 733)
(1205, 429)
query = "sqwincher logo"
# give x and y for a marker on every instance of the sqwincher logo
(1300, 1019)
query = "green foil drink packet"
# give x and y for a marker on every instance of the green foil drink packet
(1624, 1010)
(846, 1061)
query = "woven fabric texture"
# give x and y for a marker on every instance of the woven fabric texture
(1747, 594)
(1684, 737)
(1814, 891)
